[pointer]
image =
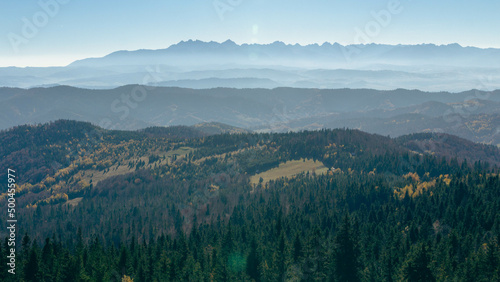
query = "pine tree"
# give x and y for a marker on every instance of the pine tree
(253, 262)
(346, 254)
(25, 247)
(267, 272)
(124, 262)
(387, 265)
(31, 272)
(280, 257)
(220, 269)
(48, 268)
(3, 263)
(297, 248)
(416, 268)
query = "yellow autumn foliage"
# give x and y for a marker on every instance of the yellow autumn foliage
(414, 190)
(126, 278)
(49, 180)
(83, 184)
(446, 178)
(64, 171)
(60, 197)
(412, 175)
(87, 161)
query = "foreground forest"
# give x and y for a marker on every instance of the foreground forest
(172, 204)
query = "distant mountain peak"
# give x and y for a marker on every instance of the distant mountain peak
(369, 50)
(278, 43)
(424, 66)
(229, 42)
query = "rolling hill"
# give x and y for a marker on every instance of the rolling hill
(180, 203)
(471, 114)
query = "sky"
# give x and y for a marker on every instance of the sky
(58, 32)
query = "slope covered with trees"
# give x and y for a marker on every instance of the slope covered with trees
(151, 207)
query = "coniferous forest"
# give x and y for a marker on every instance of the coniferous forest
(174, 204)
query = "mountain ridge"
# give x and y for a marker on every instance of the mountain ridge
(229, 43)
(277, 48)
(396, 112)
(427, 67)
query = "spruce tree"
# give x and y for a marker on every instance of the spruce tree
(346, 254)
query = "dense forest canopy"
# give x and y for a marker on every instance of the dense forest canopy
(178, 205)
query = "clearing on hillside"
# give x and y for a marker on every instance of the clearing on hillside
(289, 169)
(124, 168)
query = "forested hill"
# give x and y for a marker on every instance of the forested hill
(174, 205)
(472, 115)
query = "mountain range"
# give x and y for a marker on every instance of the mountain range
(471, 114)
(214, 161)
(198, 64)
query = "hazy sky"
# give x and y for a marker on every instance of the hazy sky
(67, 30)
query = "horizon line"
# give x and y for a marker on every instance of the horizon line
(230, 41)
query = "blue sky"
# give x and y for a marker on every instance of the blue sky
(75, 29)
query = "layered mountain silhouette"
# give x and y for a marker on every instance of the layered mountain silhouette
(472, 114)
(199, 53)
(198, 64)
